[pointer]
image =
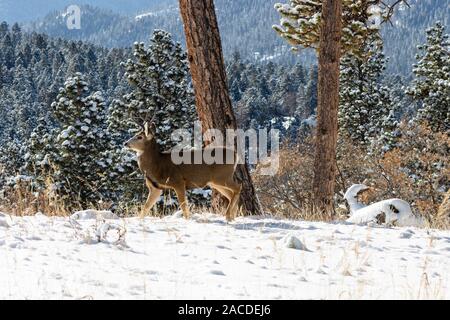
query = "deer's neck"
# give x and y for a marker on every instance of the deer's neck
(152, 151)
(149, 159)
(152, 146)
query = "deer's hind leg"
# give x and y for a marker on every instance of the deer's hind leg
(227, 193)
(234, 190)
(233, 208)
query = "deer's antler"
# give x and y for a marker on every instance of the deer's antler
(149, 125)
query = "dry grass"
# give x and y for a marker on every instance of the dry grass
(22, 199)
(288, 194)
(417, 171)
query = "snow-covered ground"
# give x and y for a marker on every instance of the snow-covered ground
(251, 258)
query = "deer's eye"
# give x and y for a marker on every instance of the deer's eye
(139, 138)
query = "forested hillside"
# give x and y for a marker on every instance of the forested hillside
(41, 76)
(33, 68)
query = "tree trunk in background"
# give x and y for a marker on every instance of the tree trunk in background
(210, 82)
(327, 108)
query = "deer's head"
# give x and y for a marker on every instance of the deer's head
(139, 142)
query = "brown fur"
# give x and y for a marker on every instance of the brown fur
(161, 173)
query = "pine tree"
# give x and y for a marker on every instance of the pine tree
(300, 99)
(39, 149)
(401, 101)
(256, 107)
(80, 157)
(283, 99)
(234, 72)
(298, 76)
(389, 133)
(432, 84)
(159, 77)
(301, 21)
(306, 97)
(311, 92)
(11, 159)
(3, 28)
(366, 112)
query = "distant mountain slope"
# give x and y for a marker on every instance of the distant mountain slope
(106, 28)
(246, 26)
(28, 10)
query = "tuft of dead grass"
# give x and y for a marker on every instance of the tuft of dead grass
(24, 199)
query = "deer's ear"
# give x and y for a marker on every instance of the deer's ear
(146, 129)
(152, 128)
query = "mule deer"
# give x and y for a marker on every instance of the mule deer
(162, 173)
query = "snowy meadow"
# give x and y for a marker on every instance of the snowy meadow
(95, 255)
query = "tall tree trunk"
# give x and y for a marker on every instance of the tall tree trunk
(210, 82)
(328, 101)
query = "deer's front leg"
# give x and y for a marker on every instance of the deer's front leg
(152, 198)
(181, 195)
